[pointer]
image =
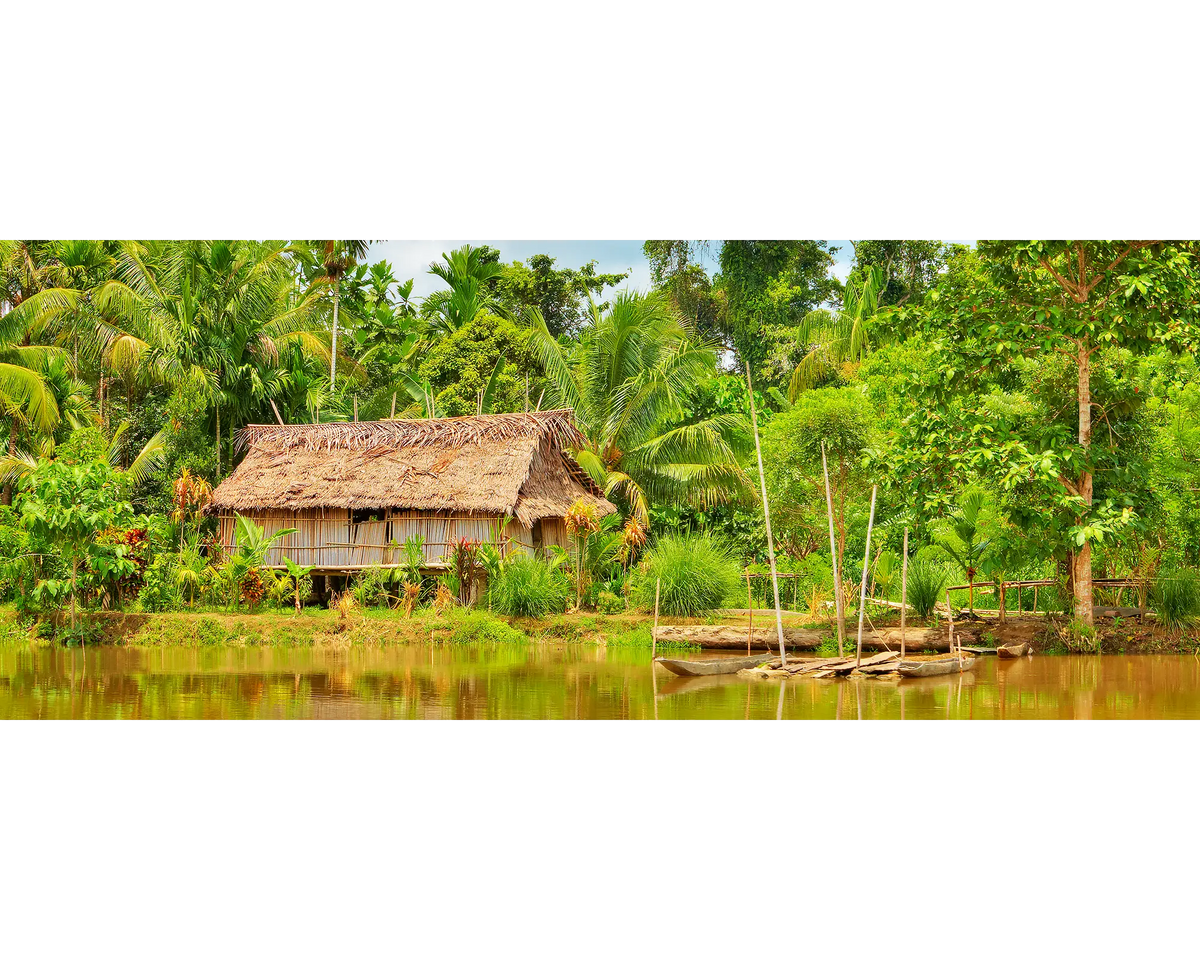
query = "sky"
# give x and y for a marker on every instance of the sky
(411, 258)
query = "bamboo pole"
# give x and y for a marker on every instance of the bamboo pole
(356, 409)
(762, 479)
(277, 416)
(654, 631)
(837, 583)
(903, 592)
(862, 599)
(393, 406)
(750, 607)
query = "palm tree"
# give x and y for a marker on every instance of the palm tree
(468, 276)
(961, 538)
(337, 258)
(628, 379)
(13, 466)
(225, 316)
(834, 338)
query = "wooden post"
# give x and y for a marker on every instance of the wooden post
(862, 598)
(654, 631)
(356, 409)
(393, 406)
(1035, 589)
(277, 416)
(950, 614)
(837, 583)
(762, 479)
(750, 607)
(903, 592)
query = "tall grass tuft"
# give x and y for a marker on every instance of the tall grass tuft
(1176, 598)
(527, 587)
(926, 582)
(698, 573)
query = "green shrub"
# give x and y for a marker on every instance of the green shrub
(160, 590)
(373, 586)
(609, 603)
(697, 571)
(528, 587)
(479, 627)
(1176, 598)
(926, 583)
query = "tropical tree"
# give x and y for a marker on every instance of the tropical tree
(628, 379)
(470, 273)
(68, 504)
(1076, 297)
(337, 258)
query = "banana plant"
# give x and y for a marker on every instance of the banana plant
(296, 575)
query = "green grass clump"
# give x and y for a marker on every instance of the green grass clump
(697, 571)
(480, 627)
(528, 587)
(926, 583)
(1176, 598)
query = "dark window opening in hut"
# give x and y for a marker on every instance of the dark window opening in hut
(365, 516)
(537, 535)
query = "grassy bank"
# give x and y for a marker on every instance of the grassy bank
(370, 626)
(316, 627)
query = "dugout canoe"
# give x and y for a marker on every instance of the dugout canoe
(935, 666)
(712, 668)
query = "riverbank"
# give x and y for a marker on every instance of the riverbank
(315, 626)
(727, 630)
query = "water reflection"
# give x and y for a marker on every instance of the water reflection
(561, 682)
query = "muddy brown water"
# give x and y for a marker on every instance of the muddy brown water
(538, 681)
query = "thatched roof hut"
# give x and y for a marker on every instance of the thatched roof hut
(355, 489)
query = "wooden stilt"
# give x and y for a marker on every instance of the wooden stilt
(762, 479)
(903, 592)
(862, 598)
(837, 583)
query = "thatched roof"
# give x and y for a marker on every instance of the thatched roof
(506, 464)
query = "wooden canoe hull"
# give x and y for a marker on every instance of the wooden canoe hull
(934, 668)
(1013, 651)
(712, 668)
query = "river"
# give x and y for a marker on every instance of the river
(569, 681)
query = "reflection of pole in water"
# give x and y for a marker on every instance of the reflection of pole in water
(838, 714)
(654, 688)
(747, 701)
(858, 696)
(901, 701)
(782, 688)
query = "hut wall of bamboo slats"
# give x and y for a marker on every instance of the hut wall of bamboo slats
(356, 492)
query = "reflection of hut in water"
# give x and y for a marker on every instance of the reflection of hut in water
(355, 492)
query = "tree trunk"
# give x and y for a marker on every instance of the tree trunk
(1083, 555)
(74, 582)
(337, 294)
(218, 441)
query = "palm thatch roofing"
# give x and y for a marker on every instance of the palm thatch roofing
(507, 464)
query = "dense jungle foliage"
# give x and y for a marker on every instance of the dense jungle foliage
(1028, 410)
